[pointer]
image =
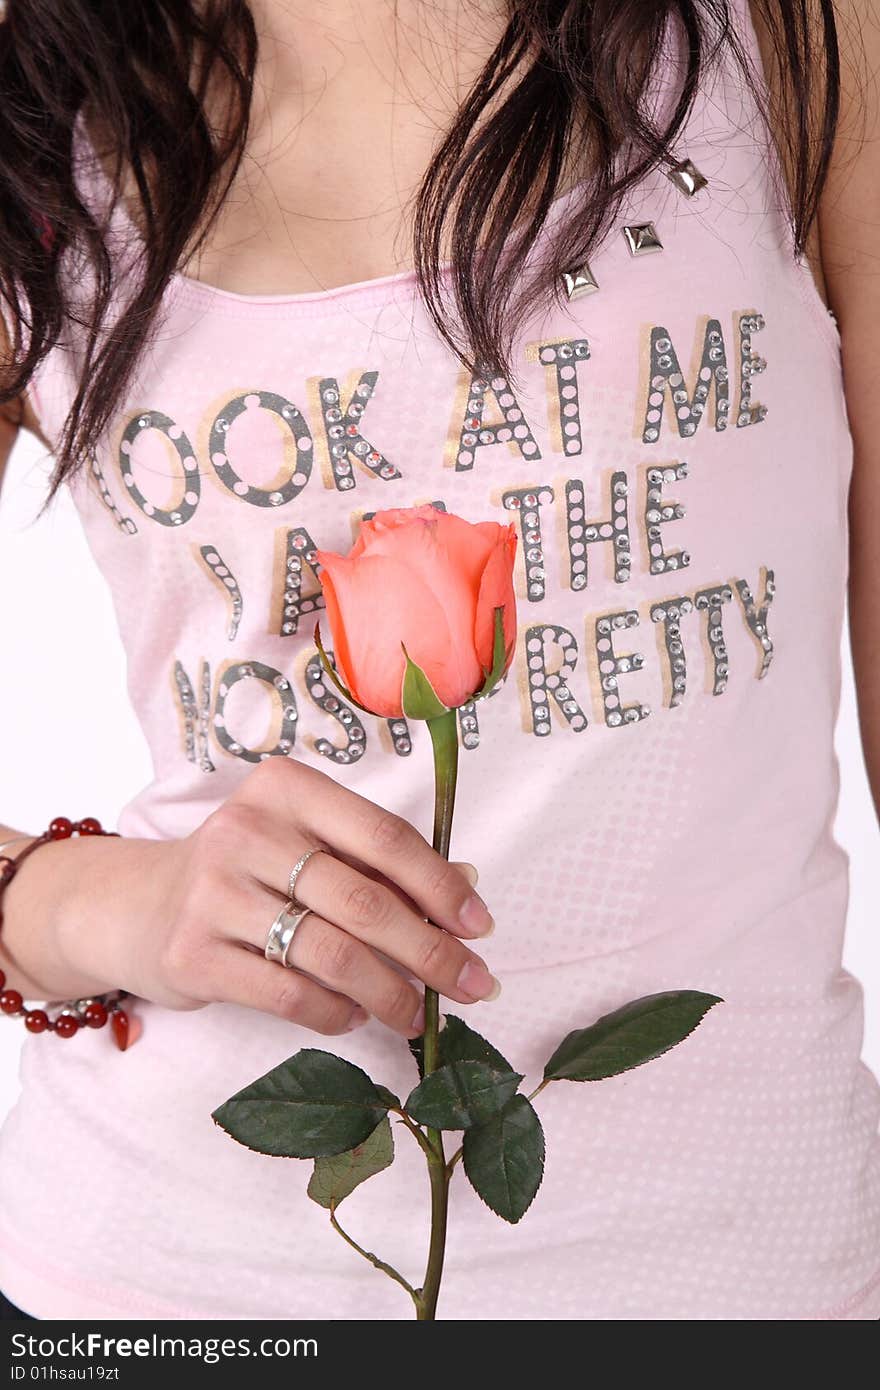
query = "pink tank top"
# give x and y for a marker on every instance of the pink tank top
(649, 797)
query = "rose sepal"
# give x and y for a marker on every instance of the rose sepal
(501, 658)
(418, 698)
(325, 662)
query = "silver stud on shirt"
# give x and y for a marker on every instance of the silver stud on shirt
(687, 177)
(579, 282)
(641, 237)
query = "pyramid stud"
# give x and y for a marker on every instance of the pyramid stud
(687, 177)
(642, 237)
(579, 282)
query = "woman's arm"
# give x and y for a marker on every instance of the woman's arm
(10, 422)
(849, 228)
(15, 415)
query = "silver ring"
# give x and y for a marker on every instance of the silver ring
(297, 870)
(281, 933)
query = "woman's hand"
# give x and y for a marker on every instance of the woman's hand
(184, 922)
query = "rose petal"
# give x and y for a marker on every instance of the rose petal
(467, 543)
(392, 518)
(450, 555)
(341, 654)
(380, 604)
(496, 588)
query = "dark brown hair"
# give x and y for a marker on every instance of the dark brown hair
(577, 71)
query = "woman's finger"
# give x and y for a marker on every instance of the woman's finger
(305, 801)
(333, 959)
(347, 966)
(242, 976)
(375, 915)
(468, 870)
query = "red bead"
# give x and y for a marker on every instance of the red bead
(95, 1015)
(89, 826)
(61, 828)
(66, 1025)
(2, 980)
(119, 1024)
(36, 1021)
(11, 1001)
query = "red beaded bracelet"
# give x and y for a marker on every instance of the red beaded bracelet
(73, 1013)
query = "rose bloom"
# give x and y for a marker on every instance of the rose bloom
(427, 579)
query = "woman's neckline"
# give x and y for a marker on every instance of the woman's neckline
(181, 285)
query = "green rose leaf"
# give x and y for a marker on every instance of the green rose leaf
(336, 1178)
(504, 1159)
(630, 1036)
(500, 657)
(417, 1048)
(461, 1094)
(458, 1043)
(418, 698)
(312, 1106)
(390, 1099)
(331, 672)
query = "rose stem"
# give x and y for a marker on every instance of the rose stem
(444, 737)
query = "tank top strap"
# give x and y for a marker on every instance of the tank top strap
(725, 134)
(744, 105)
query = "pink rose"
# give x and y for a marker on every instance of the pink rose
(431, 581)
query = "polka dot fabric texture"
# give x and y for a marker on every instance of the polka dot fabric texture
(649, 796)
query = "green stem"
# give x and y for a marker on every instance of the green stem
(538, 1089)
(432, 1031)
(426, 1298)
(444, 737)
(450, 1167)
(417, 1133)
(375, 1261)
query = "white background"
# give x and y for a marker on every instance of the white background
(71, 746)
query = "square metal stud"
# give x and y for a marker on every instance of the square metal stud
(579, 282)
(687, 177)
(642, 237)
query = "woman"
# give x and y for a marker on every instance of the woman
(287, 306)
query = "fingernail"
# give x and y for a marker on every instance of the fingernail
(470, 872)
(419, 1021)
(476, 917)
(358, 1017)
(476, 981)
